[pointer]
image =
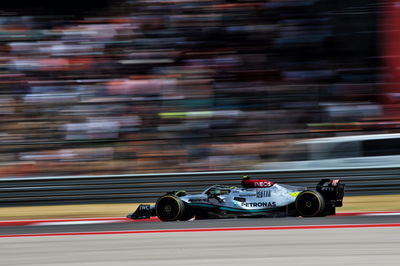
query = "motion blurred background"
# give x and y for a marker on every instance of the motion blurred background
(147, 86)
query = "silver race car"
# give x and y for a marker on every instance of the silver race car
(217, 201)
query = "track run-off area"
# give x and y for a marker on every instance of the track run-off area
(351, 239)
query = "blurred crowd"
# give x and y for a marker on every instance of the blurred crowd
(180, 85)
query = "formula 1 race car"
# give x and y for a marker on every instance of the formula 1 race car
(275, 200)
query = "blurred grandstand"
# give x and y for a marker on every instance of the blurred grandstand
(184, 85)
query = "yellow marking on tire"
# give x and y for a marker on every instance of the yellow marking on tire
(179, 206)
(319, 201)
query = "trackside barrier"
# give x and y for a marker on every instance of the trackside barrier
(58, 190)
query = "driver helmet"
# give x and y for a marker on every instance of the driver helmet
(245, 177)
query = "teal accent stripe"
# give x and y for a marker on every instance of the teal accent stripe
(229, 208)
(202, 205)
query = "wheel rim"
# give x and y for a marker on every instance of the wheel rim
(168, 208)
(308, 204)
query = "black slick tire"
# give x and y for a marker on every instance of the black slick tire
(310, 204)
(170, 208)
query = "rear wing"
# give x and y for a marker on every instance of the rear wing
(332, 191)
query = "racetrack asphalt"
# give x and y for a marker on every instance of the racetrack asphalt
(329, 246)
(196, 224)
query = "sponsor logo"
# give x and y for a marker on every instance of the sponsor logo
(327, 188)
(263, 184)
(259, 204)
(263, 194)
(144, 207)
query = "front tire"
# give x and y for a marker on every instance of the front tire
(170, 208)
(310, 203)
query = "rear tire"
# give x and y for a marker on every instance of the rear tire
(310, 204)
(170, 208)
